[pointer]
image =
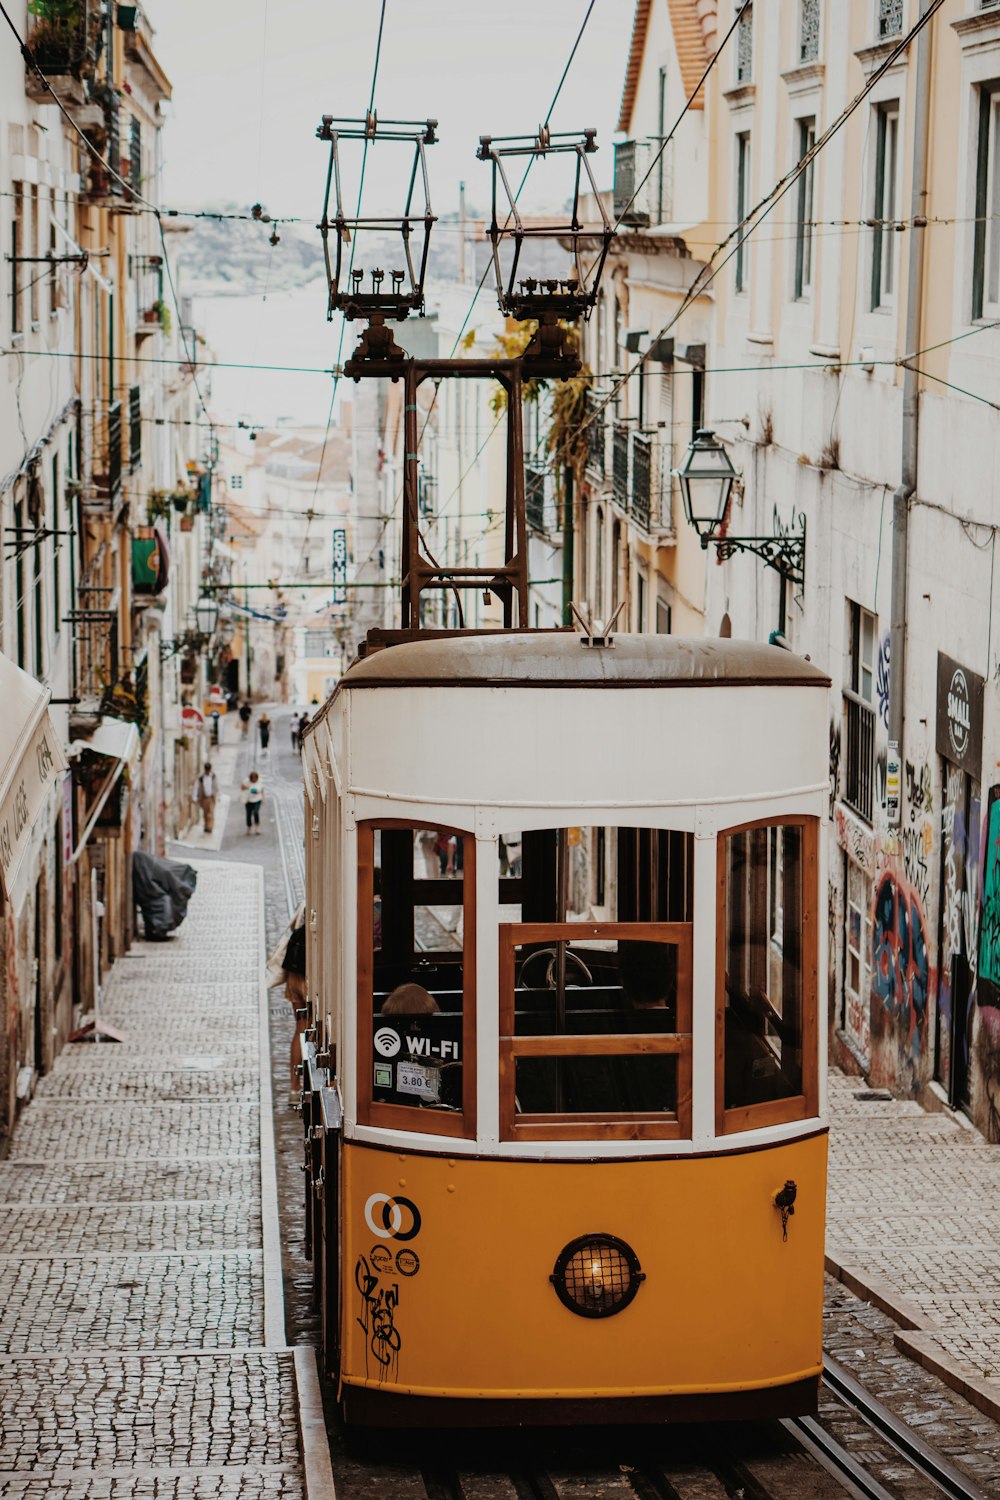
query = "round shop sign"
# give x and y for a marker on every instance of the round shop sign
(959, 713)
(387, 1042)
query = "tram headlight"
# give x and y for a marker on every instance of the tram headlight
(597, 1275)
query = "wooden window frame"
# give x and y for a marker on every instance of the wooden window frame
(805, 200)
(596, 1127)
(401, 1116)
(803, 1106)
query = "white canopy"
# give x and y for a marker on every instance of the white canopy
(31, 758)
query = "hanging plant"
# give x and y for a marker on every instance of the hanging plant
(181, 498)
(157, 505)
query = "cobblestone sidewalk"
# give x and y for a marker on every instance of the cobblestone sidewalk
(142, 1345)
(914, 1221)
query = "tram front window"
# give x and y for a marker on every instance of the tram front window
(768, 981)
(415, 977)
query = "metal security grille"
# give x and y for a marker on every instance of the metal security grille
(534, 498)
(642, 472)
(135, 157)
(860, 762)
(809, 31)
(134, 427)
(890, 17)
(744, 47)
(596, 440)
(629, 169)
(597, 1275)
(115, 450)
(619, 466)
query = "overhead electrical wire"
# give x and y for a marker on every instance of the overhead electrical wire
(761, 210)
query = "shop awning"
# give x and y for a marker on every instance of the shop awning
(118, 742)
(31, 758)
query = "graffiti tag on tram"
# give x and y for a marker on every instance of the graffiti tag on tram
(375, 1276)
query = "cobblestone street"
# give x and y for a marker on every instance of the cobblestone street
(142, 1347)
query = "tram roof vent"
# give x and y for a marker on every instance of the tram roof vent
(596, 632)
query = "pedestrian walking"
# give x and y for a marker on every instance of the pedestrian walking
(303, 726)
(206, 790)
(264, 729)
(253, 796)
(295, 731)
(245, 715)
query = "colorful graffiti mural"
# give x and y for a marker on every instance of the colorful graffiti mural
(989, 919)
(901, 971)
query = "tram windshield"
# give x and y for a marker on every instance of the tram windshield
(595, 999)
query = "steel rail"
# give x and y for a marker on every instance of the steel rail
(931, 1463)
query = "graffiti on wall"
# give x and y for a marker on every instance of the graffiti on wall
(882, 680)
(989, 918)
(901, 970)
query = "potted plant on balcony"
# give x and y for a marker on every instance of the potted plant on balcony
(56, 39)
(157, 506)
(180, 498)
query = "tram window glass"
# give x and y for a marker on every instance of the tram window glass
(596, 1029)
(767, 973)
(597, 873)
(416, 975)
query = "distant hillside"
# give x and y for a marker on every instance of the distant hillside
(234, 255)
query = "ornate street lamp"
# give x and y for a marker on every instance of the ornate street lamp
(706, 478)
(206, 613)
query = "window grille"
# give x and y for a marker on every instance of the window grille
(890, 17)
(809, 31)
(744, 47)
(134, 427)
(619, 467)
(534, 498)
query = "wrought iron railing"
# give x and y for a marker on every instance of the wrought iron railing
(534, 498)
(96, 662)
(619, 465)
(135, 158)
(596, 439)
(134, 427)
(64, 41)
(642, 479)
(859, 769)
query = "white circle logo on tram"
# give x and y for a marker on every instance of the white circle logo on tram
(387, 1042)
(384, 1217)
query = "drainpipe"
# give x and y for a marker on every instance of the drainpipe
(911, 396)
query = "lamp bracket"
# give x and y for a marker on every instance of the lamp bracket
(783, 550)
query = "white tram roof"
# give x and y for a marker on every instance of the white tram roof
(501, 743)
(560, 658)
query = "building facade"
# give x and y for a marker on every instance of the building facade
(89, 439)
(851, 365)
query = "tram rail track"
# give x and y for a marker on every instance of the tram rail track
(720, 1465)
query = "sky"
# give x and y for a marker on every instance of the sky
(252, 78)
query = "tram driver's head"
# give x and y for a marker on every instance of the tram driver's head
(410, 1000)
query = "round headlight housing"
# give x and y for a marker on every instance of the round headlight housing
(597, 1275)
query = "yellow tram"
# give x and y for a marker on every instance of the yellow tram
(564, 1082)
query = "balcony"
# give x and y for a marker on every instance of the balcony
(64, 43)
(108, 461)
(619, 465)
(651, 495)
(95, 653)
(643, 183)
(597, 437)
(534, 499)
(134, 428)
(859, 779)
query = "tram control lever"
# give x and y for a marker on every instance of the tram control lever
(784, 1201)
